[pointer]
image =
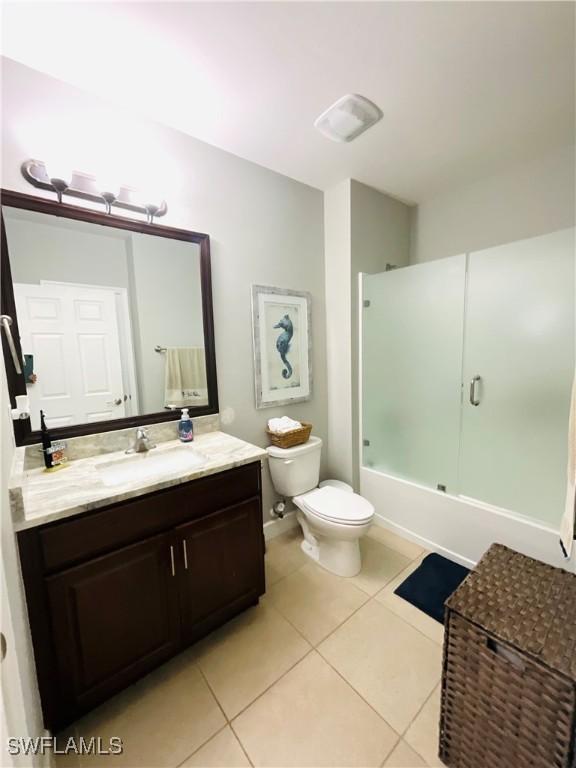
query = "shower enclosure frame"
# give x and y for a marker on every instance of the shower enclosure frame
(454, 522)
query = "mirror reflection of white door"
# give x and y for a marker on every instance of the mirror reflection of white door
(73, 334)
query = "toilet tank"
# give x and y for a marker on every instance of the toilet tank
(295, 470)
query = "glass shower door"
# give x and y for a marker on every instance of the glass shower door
(412, 368)
(519, 341)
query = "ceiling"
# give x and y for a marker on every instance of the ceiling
(465, 87)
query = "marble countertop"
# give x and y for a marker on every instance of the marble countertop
(38, 497)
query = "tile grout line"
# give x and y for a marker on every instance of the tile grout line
(389, 753)
(411, 560)
(402, 617)
(366, 594)
(349, 684)
(312, 647)
(220, 707)
(315, 647)
(242, 747)
(414, 718)
(241, 711)
(202, 745)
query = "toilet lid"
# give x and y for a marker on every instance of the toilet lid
(338, 506)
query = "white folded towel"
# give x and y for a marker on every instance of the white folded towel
(283, 424)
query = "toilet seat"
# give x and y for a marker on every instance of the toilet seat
(338, 506)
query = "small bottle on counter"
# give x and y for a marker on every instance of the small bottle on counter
(53, 452)
(46, 442)
(185, 427)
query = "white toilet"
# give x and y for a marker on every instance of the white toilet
(332, 516)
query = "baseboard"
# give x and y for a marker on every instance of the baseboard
(459, 528)
(279, 525)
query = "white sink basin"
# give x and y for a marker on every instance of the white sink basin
(152, 464)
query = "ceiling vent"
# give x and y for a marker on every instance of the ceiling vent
(347, 118)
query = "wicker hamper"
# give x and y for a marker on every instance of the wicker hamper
(509, 675)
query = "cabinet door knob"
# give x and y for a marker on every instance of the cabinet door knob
(172, 560)
(185, 554)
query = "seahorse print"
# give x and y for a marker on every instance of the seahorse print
(283, 343)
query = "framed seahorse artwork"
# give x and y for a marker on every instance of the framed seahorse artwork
(282, 333)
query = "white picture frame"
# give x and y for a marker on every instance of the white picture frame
(282, 336)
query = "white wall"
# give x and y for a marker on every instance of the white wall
(21, 702)
(337, 249)
(363, 231)
(523, 201)
(264, 227)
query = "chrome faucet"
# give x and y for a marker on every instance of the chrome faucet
(141, 442)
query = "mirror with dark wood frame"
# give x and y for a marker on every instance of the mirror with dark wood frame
(112, 319)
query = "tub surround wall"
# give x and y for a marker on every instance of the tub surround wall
(265, 228)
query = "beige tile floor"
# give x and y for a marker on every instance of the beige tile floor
(324, 671)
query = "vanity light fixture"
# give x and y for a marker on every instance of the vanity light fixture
(109, 198)
(60, 185)
(151, 211)
(86, 187)
(108, 193)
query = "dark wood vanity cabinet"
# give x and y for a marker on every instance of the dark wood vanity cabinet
(113, 618)
(225, 551)
(113, 593)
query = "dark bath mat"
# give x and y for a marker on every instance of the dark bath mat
(431, 584)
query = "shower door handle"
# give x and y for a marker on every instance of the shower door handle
(473, 398)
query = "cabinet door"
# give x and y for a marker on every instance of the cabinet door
(221, 566)
(113, 618)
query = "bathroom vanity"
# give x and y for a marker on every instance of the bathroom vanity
(126, 559)
(122, 574)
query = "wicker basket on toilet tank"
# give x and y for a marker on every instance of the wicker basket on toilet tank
(509, 676)
(291, 438)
